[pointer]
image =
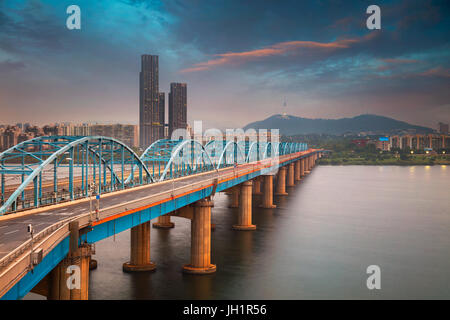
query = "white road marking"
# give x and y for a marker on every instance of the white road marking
(63, 213)
(11, 232)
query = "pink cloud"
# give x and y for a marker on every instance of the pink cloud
(436, 72)
(400, 61)
(278, 49)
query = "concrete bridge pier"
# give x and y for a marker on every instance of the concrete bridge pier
(63, 281)
(69, 280)
(281, 182)
(201, 239)
(140, 250)
(257, 186)
(267, 198)
(234, 197)
(297, 170)
(302, 167)
(163, 222)
(245, 208)
(307, 165)
(290, 175)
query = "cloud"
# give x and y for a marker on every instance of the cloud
(400, 61)
(436, 72)
(278, 49)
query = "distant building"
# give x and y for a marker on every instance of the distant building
(420, 141)
(360, 142)
(149, 115)
(383, 144)
(443, 128)
(9, 137)
(162, 114)
(126, 133)
(12, 135)
(177, 107)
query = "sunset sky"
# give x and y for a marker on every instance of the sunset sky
(240, 59)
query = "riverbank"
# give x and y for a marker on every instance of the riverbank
(413, 161)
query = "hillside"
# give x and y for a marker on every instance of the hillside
(292, 125)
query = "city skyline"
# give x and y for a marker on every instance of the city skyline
(321, 57)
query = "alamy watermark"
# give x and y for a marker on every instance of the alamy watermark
(374, 280)
(73, 21)
(374, 20)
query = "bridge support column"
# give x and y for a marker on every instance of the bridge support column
(290, 175)
(61, 286)
(297, 171)
(302, 167)
(69, 280)
(163, 222)
(201, 239)
(257, 186)
(234, 197)
(245, 208)
(308, 165)
(281, 182)
(267, 200)
(140, 250)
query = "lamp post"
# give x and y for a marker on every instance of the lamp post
(91, 191)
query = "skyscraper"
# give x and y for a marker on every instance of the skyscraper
(177, 107)
(150, 120)
(162, 114)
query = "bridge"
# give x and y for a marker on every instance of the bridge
(75, 191)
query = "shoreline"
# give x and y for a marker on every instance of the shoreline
(387, 163)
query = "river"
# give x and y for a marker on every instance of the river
(316, 244)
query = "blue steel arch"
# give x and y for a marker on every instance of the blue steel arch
(220, 152)
(161, 154)
(156, 156)
(49, 149)
(253, 151)
(238, 154)
(271, 148)
(190, 150)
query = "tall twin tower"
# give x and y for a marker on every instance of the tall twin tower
(152, 104)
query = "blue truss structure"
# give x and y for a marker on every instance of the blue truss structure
(51, 169)
(46, 167)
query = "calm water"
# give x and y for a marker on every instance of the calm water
(316, 244)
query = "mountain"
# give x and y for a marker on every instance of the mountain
(291, 125)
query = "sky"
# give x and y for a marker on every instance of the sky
(241, 60)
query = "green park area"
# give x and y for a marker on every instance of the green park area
(345, 152)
